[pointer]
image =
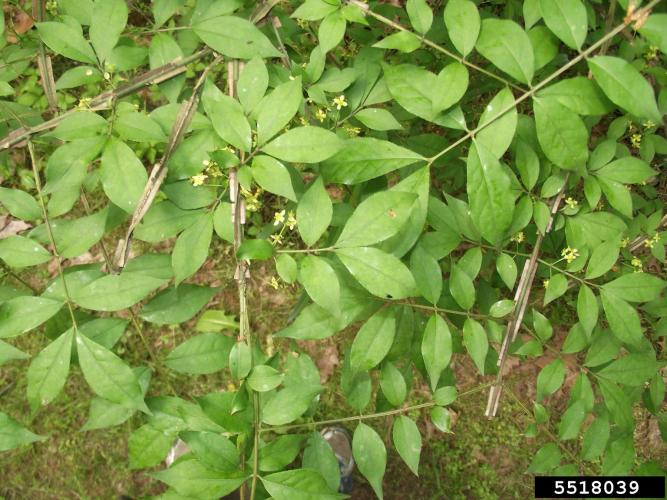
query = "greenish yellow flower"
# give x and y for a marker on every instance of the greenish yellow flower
(636, 140)
(291, 220)
(352, 131)
(321, 114)
(274, 283)
(569, 254)
(198, 180)
(571, 202)
(340, 102)
(625, 242)
(649, 124)
(518, 237)
(276, 239)
(637, 264)
(279, 218)
(545, 283)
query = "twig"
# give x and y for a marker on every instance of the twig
(44, 61)
(159, 171)
(157, 75)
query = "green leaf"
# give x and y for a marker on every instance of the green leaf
(234, 37)
(108, 21)
(378, 272)
(8, 353)
(148, 446)
(364, 158)
(377, 218)
(319, 456)
(176, 305)
(632, 370)
(191, 248)
(273, 176)
(628, 170)
(201, 354)
(116, 291)
(190, 478)
(498, 135)
(445, 396)
(19, 251)
(223, 225)
(595, 438)
(304, 145)
(436, 348)
(545, 459)
(408, 442)
(625, 86)
(571, 421)
(288, 404)
(331, 31)
(122, 174)
(48, 371)
(427, 274)
(403, 41)
(378, 119)
(636, 287)
(321, 282)
(654, 28)
(314, 212)
(393, 384)
(508, 47)
(453, 80)
(227, 117)
(587, 308)
(489, 195)
(264, 378)
(255, 250)
(370, 455)
(580, 95)
(507, 270)
(542, 326)
(562, 134)
(461, 287)
(108, 376)
(76, 77)
(603, 257)
(550, 379)
(66, 40)
(216, 321)
(298, 483)
(22, 314)
(216, 452)
(373, 341)
(252, 84)
(441, 418)
(501, 308)
(240, 360)
(420, 15)
(567, 20)
(280, 452)
(557, 286)
(13, 435)
(286, 268)
(463, 23)
(138, 127)
(476, 343)
(20, 204)
(278, 109)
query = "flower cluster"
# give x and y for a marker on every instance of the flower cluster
(518, 237)
(650, 242)
(636, 140)
(252, 202)
(637, 264)
(569, 254)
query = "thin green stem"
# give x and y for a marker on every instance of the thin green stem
(307, 250)
(435, 46)
(541, 84)
(381, 414)
(49, 231)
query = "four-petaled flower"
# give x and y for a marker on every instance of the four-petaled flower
(571, 202)
(291, 220)
(340, 102)
(279, 218)
(320, 114)
(198, 180)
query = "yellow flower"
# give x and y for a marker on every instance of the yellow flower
(291, 220)
(637, 264)
(569, 254)
(84, 103)
(571, 202)
(276, 239)
(352, 131)
(231, 387)
(649, 124)
(279, 218)
(649, 243)
(340, 102)
(198, 180)
(303, 121)
(274, 283)
(656, 237)
(636, 140)
(320, 114)
(518, 237)
(545, 283)
(625, 242)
